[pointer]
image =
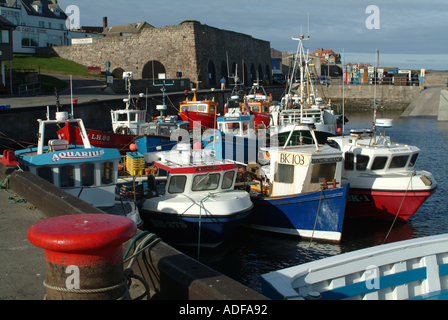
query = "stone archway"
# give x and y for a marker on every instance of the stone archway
(118, 73)
(211, 74)
(152, 69)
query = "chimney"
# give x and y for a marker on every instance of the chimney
(104, 23)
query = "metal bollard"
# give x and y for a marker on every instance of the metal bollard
(83, 255)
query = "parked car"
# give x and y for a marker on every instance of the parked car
(324, 80)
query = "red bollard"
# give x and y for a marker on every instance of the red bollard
(84, 255)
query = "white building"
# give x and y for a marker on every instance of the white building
(40, 23)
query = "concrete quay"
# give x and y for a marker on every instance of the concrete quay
(170, 274)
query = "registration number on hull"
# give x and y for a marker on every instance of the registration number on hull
(168, 224)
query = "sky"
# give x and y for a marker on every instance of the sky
(410, 34)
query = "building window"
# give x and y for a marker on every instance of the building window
(14, 17)
(54, 41)
(41, 24)
(30, 40)
(4, 36)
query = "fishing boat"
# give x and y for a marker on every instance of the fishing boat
(415, 269)
(88, 173)
(200, 206)
(125, 127)
(258, 103)
(301, 193)
(300, 103)
(383, 181)
(128, 125)
(235, 137)
(203, 111)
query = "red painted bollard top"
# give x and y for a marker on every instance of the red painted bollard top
(82, 239)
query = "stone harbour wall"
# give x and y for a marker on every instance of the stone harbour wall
(200, 52)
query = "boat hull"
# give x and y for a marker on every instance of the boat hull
(261, 118)
(100, 139)
(232, 147)
(296, 214)
(186, 230)
(414, 269)
(207, 120)
(384, 205)
(122, 142)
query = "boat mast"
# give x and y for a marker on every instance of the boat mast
(374, 97)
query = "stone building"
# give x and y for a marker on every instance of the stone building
(188, 50)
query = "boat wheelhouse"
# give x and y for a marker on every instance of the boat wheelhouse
(86, 172)
(204, 111)
(200, 206)
(258, 103)
(384, 182)
(235, 138)
(301, 193)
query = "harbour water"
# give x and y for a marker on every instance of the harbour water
(249, 253)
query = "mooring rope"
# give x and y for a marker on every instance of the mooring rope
(396, 215)
(315, 223)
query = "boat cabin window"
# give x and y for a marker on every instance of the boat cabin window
(165, 130)
(229, 127)
(122, 117)
(361, 162)
(87, 174)
(379, 163)
(107, 173)
(45, 173)
(227, 181)
(184, 108)
(321, 172)
(256, 108)
(177, 184)
(413, 160)
(212, 109)
(349, 161)
(205, 182)
(202, 108)
(265, 109)
(67, 176)
(398, 162)
(193, 107)
(284, 174)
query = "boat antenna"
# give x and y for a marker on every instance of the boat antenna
(343, 97)
(374, 98)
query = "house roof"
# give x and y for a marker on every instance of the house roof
(46, 9)
(5, 23)
(127, 28)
